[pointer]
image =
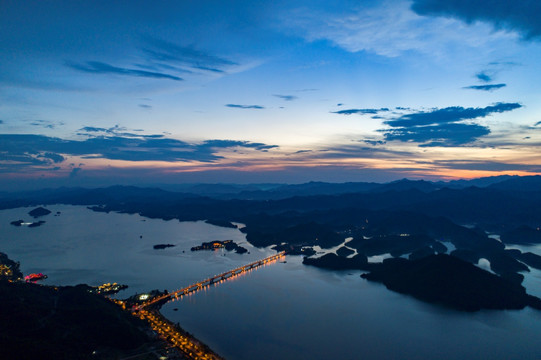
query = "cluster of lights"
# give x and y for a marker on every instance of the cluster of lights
(5, 270)
(108, 287)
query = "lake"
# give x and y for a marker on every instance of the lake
(280, 311)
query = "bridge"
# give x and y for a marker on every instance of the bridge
(207, 282)
(191, 348)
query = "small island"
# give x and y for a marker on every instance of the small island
(108, 288)
(32, 224)
(332, 261)
(295, 249)
(229, 245)
(39, 211)
(162, 246)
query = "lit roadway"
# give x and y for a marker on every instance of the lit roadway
(189, 346)
(212, 280)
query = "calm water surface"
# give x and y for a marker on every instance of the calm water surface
(280, 311)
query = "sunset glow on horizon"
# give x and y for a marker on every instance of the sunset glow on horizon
(144, 93)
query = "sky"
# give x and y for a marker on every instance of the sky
(98, 93)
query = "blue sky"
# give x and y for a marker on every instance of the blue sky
(95, 93)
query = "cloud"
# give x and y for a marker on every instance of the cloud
(449, 115)
(97, 67)
(486, 165)
(286, 97)
(40, 150)
(388, 28)
(55, 158)
(217, 144)
(92, 129)
(484, 76)
(519, 16)
(360, 111)
(355, 151)
(451, 126)
(489, 87)
(46, 124)
(237, 106)
(439, 135)
(374, 142)
(166, 57)
(116, 130)
(145, 106)
(164, 54)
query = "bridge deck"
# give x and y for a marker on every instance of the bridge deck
(207, 282)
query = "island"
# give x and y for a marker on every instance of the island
(332, 261)
(294, 249)
(31, 225)
(229, 245)
(36, 224)
(451, 282)
(162, 246)
(108, 288)
(523, 235)
(39, 211)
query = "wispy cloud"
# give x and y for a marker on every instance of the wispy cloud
(519, 16)
(374, 142)
(161, 60)
(97, 67)
(388, 28)
(486, 165)
(360, 111)
(286, 97)
(120, 131)
(238, 106)
(46, 124)
(488, 87)
(164, 54)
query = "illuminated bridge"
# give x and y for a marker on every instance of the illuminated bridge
(207, 282)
